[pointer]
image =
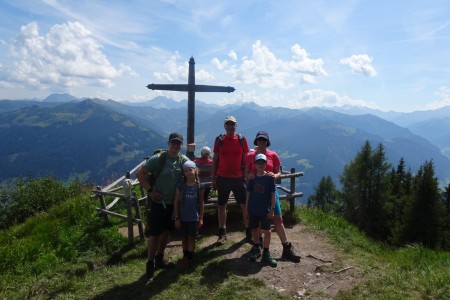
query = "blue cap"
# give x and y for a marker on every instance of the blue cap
(189, 164)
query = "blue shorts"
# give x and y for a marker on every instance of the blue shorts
(227, 185)
(277, 210)
(159, 219)
(188, 229)
(256, 221)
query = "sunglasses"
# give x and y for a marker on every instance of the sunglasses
(175, 142)
(261, 139)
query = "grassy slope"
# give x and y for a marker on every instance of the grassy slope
(68, 253)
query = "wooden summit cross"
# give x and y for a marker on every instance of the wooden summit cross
(191, 88)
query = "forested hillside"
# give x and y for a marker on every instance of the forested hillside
(97, 140)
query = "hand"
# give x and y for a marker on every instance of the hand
(200, 223)
(177, 224)
(271, 214)
(250, 176)
(271, 174)
(154, 196)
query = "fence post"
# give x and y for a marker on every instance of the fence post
(138, 214)
(101, 197)
(130, 221)
(292, 199)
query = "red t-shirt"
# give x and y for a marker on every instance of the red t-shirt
(273, 161)
(231, 153)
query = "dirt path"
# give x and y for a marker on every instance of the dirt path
(321, 273)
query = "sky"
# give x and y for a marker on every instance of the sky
(387, 55)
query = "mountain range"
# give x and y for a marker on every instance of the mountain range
(97, 140)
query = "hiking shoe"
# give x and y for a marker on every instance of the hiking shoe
(268, 259)
(222, 239)
(289, 253)
(163, 263)
(254, 253)
(150, 269)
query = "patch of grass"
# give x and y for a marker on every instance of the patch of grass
(69, 253)
(412, 272)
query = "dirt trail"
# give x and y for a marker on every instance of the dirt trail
(321, 273)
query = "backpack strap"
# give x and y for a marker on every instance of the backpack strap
(161, 163)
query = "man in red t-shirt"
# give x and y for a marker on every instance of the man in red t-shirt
(204, 165)
(230, 151)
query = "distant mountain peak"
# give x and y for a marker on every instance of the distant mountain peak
(64, 97)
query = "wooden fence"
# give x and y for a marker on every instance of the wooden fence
(121, 191)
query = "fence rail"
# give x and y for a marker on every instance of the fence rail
(125, 194)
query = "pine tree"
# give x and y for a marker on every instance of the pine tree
(424, 218)
(365, 184)
(325, 195)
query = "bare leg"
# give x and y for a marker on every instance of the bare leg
(191, 244)
(279, 228)
(162, 242)
(222, 215)
(152, 243)
(243, 216)
(267, 235)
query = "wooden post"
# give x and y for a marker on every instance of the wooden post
(292, 199)
(138, 214)
(102, 204)
(130, 221)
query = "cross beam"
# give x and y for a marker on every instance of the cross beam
(191, 88)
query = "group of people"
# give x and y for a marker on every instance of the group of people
(177, 198)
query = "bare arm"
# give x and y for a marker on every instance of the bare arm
(214, 168)
(176, 210)
(201, 202)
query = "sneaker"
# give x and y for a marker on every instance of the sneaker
(163, 263)
(268, 259)
(222, 239)
(254, 253)
(150, 269)
(289, 253)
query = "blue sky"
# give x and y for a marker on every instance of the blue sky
(388, 55)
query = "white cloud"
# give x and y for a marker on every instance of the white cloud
(219, 64)
(265, 70)
(233, 55)
(360, 63)
(322, 98)
(66, 57)
(179, 73)
(175, 72)
(444, 94)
